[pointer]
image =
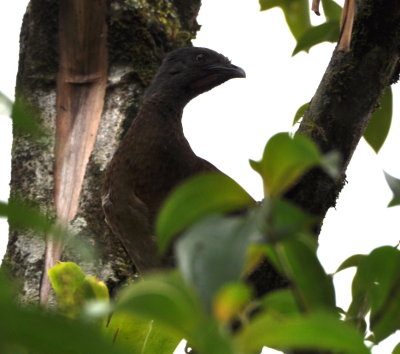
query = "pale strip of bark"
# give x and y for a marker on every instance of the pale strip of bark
(81, 85)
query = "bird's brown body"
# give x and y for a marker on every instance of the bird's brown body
(154, 155)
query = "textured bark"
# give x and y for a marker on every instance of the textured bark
(347, 96)
(139, 34)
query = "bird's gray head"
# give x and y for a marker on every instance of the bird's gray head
(187, 72)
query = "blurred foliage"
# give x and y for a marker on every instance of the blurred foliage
(200, 299)
(207, 292)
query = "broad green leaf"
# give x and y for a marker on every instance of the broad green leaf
(300, 113)
(284, 160)
(352, 261)
(376, 288)
(230, 300)
(379, 124)
(394, 185)
(37, 331)
(283, 220)
(194, 199)
(140, 335)
(213, 253)
(163, 298)
(297, 13)
(167, 300)
(281, 302)
(314, 288)
(332, 11)
(326, 32)
(73, 288)
(318, 331)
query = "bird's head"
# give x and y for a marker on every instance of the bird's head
(187, 72)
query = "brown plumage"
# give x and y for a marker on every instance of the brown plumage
(154, 155)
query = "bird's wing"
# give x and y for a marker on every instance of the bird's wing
(129, 220)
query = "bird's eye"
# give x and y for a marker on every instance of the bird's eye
(200, 58)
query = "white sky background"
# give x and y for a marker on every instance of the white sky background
(232, 123)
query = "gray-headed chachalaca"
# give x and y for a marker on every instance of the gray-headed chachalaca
(154, 155)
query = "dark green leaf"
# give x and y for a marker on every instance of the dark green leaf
(297, 13)
(394, 185)
(379, 125)
(284, 220)
(352, 261)
(319, 331)
(213, 253)
(327, 32)
(194, 199)
(284, 160)
(167, 300)
(332, 11)
(300, 113)
(281, 302)
(314, 288)
(376, 288)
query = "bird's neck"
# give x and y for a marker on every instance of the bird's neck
(165, 108)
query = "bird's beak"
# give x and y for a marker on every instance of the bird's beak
(228, 70)
(217, 74)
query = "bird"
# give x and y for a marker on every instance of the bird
(154, 156)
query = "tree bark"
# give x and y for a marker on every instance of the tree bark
(139, 34)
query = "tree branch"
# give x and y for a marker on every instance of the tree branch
(347, 96)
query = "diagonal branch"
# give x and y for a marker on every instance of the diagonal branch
(81, 84)
(347, 96)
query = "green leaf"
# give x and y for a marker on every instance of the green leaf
(213, 253)
(379, 124)
(385, 292)
(281, 302)
(326, 32)
(394, 185)
(283, 220)
(300, 113)
(332, 11)
(297, 13)
(163, 298)
(141, 335)
(314, 288)
(376, 288)
(73, 288)
(352, 261)
(318, 331)
(168, 301)
(38, 331)
(194, 199)
(284, 160)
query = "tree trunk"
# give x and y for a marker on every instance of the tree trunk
(139, 34)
